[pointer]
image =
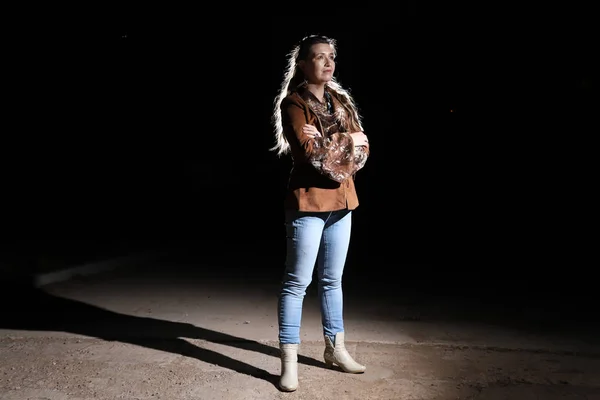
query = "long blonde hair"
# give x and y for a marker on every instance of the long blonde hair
(294, 77)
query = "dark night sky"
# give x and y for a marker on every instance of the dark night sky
(160, 128)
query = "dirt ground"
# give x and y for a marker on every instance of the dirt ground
(174, 337)
(53, 368)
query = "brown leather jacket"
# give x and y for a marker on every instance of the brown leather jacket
(322, 176)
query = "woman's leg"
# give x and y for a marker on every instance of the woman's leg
(304, 231)
(332, 259)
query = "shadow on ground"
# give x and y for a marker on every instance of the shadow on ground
(25, 307)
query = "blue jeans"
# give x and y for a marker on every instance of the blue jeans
(314, 238)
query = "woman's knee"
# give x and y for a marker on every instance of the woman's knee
(330, 283)
(296, 284)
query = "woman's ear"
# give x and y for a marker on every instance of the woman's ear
(301, 65)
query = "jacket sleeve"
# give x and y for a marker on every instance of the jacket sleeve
(361, 153)
(333, 156)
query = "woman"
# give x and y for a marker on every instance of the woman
(317, 122)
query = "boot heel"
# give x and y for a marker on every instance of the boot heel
(329, 364)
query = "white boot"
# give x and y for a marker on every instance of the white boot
(337, 354)
(289, 367)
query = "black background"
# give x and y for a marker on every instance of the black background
(149, 128)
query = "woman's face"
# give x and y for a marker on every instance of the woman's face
(320, 65)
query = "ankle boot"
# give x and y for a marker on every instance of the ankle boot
(337, 354)
(289, 367)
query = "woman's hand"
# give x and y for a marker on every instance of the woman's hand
(311, 131)
(360, 139)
